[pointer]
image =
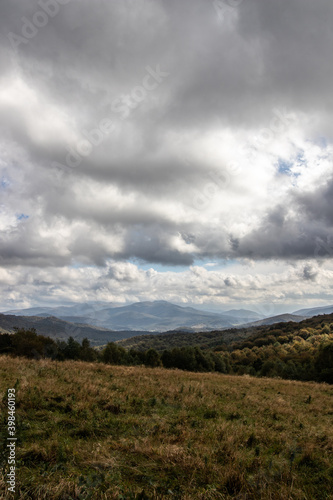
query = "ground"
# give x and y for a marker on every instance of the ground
(97, 431)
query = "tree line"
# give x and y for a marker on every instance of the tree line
(306, 356)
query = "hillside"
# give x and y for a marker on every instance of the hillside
(217, 338)
(96, 431)
(168, 340)
(280, 318)
(314, 311)
(60, 329)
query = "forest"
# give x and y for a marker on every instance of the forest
(294, 351)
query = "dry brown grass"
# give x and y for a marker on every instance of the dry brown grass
(96, 431)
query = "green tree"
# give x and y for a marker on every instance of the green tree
(324, 363)
(26, 342)
(87, 353)
(152, 358)
(72, 349)
(6, 343)
(114, 354)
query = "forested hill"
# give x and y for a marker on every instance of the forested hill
(220, 340)
(59, 329)
(286, 350)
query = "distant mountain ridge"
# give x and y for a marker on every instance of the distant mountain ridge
(61, 330)
(280, 318)
(147, 317)
(314, 311)
(156, 316)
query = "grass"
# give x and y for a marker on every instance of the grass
(93, 431)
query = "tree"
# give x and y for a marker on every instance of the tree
(6, 343)
(87, 353)
(203, 363)
(27, 343)
(114, 354)
(219, 363)
(72, 349)
(152, 358)
(324, 363)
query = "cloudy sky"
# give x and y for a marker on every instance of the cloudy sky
(166, 149)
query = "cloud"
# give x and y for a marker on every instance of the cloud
(309, 272)
(160, 133)
(266, 288)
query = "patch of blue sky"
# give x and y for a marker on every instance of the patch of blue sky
(75, 265)
(209, 264)
(4, 183)
(300, 159)
(161, 268)
(22, 216)
(215, 265)
(284, 167)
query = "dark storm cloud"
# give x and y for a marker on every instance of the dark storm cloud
(134, 194)
(293, 231)
(317, 204)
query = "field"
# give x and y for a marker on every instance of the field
(94, 431)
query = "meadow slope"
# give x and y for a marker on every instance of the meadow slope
(94, 431)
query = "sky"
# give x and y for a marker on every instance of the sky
(173, 150)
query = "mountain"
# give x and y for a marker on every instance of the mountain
(160, 316)
(62, 330)
(102, 322)
(31, 311)
(315, 311)
(280, 318)
(153, 316)
(243, 314)
(85, 309)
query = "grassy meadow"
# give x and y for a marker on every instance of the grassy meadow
(95, 431)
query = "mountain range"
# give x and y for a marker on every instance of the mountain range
(102, 322)
(157, 316)
(59, 329)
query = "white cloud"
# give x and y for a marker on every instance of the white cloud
(228, 161)
(267, 285)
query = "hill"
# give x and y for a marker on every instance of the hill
(83, 309)
(61, 330)
(314, 311)
(280, 318)
(217, 338)
(274, 352)
(168, 340)
(156, 316)
(97, 431)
